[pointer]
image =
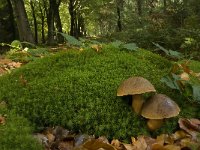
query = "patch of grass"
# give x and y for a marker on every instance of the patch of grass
(16, 133)
(77, 90)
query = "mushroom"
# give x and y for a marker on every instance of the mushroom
(135, 86)
(157, 108)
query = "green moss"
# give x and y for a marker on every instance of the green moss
(16, 133)
(195, 65)
(77, 90)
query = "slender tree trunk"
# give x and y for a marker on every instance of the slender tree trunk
(23, 26)
(42, 16)
(58, 22)
(12, 21)
(119, 23)
(35, 21)
(119, 4)
(72, 19)
(164, 5)
(139, 7)
(50, 23)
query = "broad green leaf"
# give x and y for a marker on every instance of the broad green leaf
(71, 40)
(130, 46)
(16, 45)
(117, 44)
(161, 48)
(196, 92)
(175, 54)
(169, 82)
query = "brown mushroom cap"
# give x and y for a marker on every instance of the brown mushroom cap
(159, 107)
(135, 85)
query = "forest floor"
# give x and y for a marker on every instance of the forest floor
(186, 137)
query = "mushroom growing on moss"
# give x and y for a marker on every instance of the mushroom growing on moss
(135, 86)
(158, 108)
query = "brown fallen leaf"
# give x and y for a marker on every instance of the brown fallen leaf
(140, 143)
(187, 142)
(172, 147)
(66, 145)
(5, 61)
(60, 132)
(2, 70)
(95, 144)
(118, 145)
(82, 138)
(96, 47)
(191, 126)
(22, 80)
(2, 120)
(180, 134)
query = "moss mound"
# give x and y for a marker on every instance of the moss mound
(77, 90)
(16, 133)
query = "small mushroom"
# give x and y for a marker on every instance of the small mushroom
(135, 86)
(157, 108)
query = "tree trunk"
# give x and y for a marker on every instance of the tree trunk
(164, 5)
(42, 15)
(120, 5)
(12, 21)
(58, 22)
(35, 21)
(23, 26)
(139, 7)
(119, 23)
(50, 23)
(72, 19)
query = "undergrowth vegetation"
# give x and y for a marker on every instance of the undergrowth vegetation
(77, 90)
(16, 133)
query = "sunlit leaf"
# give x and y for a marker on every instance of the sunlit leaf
(71, 40)
(130, 46)
(117, 44)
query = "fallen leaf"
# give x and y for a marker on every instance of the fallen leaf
(180, 134)
(3, 104)
(191, 126)
(2, 70)
(66, 145)
(60, 132)
(184, 76)
(172, 147)
(82, 138)
(103, 139)
(95, 144)
(2, 120)
(96, 47)
(22, 80)
(117, 144)
(140, 143)
(5, 61)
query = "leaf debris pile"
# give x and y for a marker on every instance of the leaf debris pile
(187, 137)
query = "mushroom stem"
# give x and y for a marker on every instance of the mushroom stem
(154, 124)
(137, 102)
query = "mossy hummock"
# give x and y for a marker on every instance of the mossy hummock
(77, 90)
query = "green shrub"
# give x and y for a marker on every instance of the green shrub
(16, 133)
(77, 90)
